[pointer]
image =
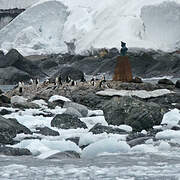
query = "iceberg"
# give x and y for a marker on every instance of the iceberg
(48, 23)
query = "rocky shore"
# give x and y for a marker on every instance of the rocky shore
(132, 110)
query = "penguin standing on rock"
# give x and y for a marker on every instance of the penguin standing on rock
(60, 80)
(103, 80)
(68, 79)
(92, 81)
(20, 87)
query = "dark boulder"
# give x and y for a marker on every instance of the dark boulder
(135, 113)
(19, 127)
(4, 99)
(137, 80)
(165, 82)
(65, 155)
(66, 121)
(74, 140)
(12, 75)
(1, 91)
(177, 84)
(9, 151)
(98, 129)
(4, 112)
(46, 131)
(138, 141)
(73, 73)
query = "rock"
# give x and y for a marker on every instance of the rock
(65, 155)
(74, 140)
(4, 99)
(18, 127)
(4, 112)
(12, 75)
(83, 110)
(18, 99)
(73, 73)
(138, 141)
(133, 112)
(123, 70)
(177, 84)
(137, 80)
(47, 131)
(165, 82)
(66, 121)
(98, 129)
(73, 112)
(113, 52)
(1, 91)
(175, 128)
(26, 105)
(9, 151)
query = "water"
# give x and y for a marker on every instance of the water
(110, 167)
(6, 88)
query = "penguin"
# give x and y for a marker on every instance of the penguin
(92, 81)
(56, 81)
(83, 79)
(68, 79)
(20, 87)
(60, 80)
(31, 82)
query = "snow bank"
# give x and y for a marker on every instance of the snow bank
(139, 93)
(57, 97)
(109, 145)
(148, 24)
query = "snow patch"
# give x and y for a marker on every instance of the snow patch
(138, 93)
(57, 97)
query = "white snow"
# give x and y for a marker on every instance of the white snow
(171, 118)
(164, 146)
(109, 145)
(144, 148)
(138, 93)
(57, 97)
(46, 25)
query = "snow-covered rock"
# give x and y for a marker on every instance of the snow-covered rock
(138, 93)
(57, 97)
(18, 99)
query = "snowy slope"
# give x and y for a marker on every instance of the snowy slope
(10, 4)
(44, 27)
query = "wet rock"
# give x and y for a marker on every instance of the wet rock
(83, 110)
(73, 112)
(165, 82)
(4, 112)
(65, 155)
(133, 112)
(66, 121)
(47, 131)
(1, 91)
(9, 151)
(26, 105)
(74, 140)
(98, 129)
(138, 141)
(175, 128)
(177, 84)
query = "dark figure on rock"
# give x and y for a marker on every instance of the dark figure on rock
(124, 49)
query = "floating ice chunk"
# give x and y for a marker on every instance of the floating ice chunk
(144, 148)
(91, 121)
(164, 146)
(47, 154)
(144, 132)
(57, 97)
(18, 99)
(109, 145)
(171, 118)
(168, 134)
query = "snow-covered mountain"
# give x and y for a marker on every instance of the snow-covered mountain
(44, 26)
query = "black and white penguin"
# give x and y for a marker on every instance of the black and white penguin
(20, 87)
(60, 80)
(68, 79)
(92, 81)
